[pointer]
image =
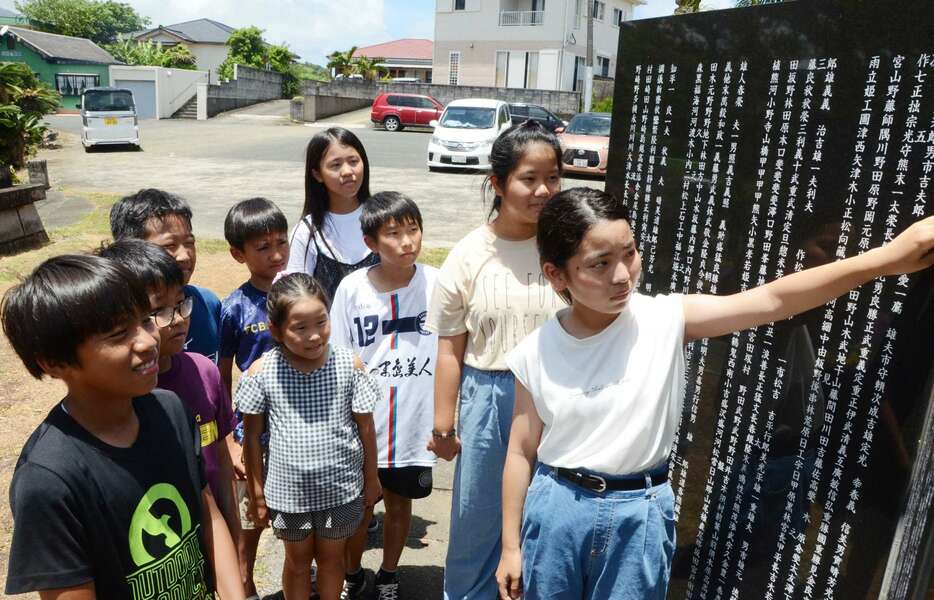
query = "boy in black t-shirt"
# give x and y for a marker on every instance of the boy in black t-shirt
(109, 498)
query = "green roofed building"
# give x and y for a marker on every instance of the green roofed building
(68, 64)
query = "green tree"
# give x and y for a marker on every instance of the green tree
(342, 62)
(370, 68)
(247, 48)
(311, 71)
(100, 21)
(24, 99)
(153, 53)
(687, 6)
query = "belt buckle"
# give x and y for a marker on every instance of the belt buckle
(601, 484)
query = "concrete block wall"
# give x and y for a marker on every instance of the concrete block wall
(562, 103)
(249, 86)
(20, 226)
(603, 87)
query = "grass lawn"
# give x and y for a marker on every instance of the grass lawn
(25, 401)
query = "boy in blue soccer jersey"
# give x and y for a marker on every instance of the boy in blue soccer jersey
(380, 313)
(257, 232)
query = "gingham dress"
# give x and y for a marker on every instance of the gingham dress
(315, 453)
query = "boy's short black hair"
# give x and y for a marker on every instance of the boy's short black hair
(150, 264)
(64, 302)
(383, 207)
(252, 218)
(129, 216)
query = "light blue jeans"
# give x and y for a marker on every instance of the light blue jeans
(486, 401)
(577, 544)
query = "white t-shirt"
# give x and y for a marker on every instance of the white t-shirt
(387, 331)
(610, 402)
(341, 232)
(494, 290)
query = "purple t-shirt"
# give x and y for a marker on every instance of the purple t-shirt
(197, 381)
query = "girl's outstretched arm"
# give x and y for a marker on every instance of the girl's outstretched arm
(524, 437)
(711, 316)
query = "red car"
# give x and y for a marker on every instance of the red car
(395, 111)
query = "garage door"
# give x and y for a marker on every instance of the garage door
(144, 93)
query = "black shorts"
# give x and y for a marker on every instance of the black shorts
(408, 482)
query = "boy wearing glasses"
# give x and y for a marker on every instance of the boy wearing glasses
(193, 377)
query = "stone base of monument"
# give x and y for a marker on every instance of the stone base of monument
(20, 226)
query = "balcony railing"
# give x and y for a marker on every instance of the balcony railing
(521, 18)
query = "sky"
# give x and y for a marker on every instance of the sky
(315, 28)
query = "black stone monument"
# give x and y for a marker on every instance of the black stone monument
(760, 141)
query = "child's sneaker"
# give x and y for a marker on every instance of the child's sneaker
(355, 585)
(387, 585)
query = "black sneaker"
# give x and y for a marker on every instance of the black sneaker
(355, 588)
(373, 525)
(387, 586)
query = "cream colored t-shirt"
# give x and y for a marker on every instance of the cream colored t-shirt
(494, 290)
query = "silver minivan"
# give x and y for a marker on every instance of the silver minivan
(108, 116)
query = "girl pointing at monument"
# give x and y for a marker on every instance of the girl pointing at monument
(587, 508)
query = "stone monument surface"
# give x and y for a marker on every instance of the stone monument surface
(754, 142)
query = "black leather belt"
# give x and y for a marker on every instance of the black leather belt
(599, 484)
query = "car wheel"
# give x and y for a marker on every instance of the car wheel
(433, 170)
(87, 148)
(392, 123)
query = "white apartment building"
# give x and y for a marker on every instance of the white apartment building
(533, 44)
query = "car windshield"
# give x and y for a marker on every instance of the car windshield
(589, 125)
(99, 101)
(468, 117)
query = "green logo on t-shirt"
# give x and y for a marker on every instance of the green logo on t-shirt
(163, 514)
(144, 521)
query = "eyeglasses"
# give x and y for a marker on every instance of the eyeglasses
(165, 317)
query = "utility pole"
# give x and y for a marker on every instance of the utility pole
(588, 69)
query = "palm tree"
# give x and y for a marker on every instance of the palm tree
(745, 3)
(370, 68)
(687, 6)
(342, 62)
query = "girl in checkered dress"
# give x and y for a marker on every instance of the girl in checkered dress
(321, 468)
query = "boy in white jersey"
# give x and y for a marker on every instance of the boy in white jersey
(380, 313)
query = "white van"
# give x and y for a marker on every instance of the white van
(465, 133)
(108, 116)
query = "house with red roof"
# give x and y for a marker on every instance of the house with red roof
(409, 58)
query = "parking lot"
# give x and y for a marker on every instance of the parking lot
(258, 152)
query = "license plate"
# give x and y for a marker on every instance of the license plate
(580, 162)
(459, 159)
(110, 120)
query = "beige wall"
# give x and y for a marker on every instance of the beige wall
(478, 64)
(476, 33)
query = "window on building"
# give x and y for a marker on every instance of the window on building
(599, 8)
(603, 66)
(460, 4)
(72, 84)
(531, 70)
(579, 14)
(502, 69)
(618, 17)
(10, 42)
(578, 73)
(454, 69)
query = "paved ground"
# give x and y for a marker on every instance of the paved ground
(257, 152)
